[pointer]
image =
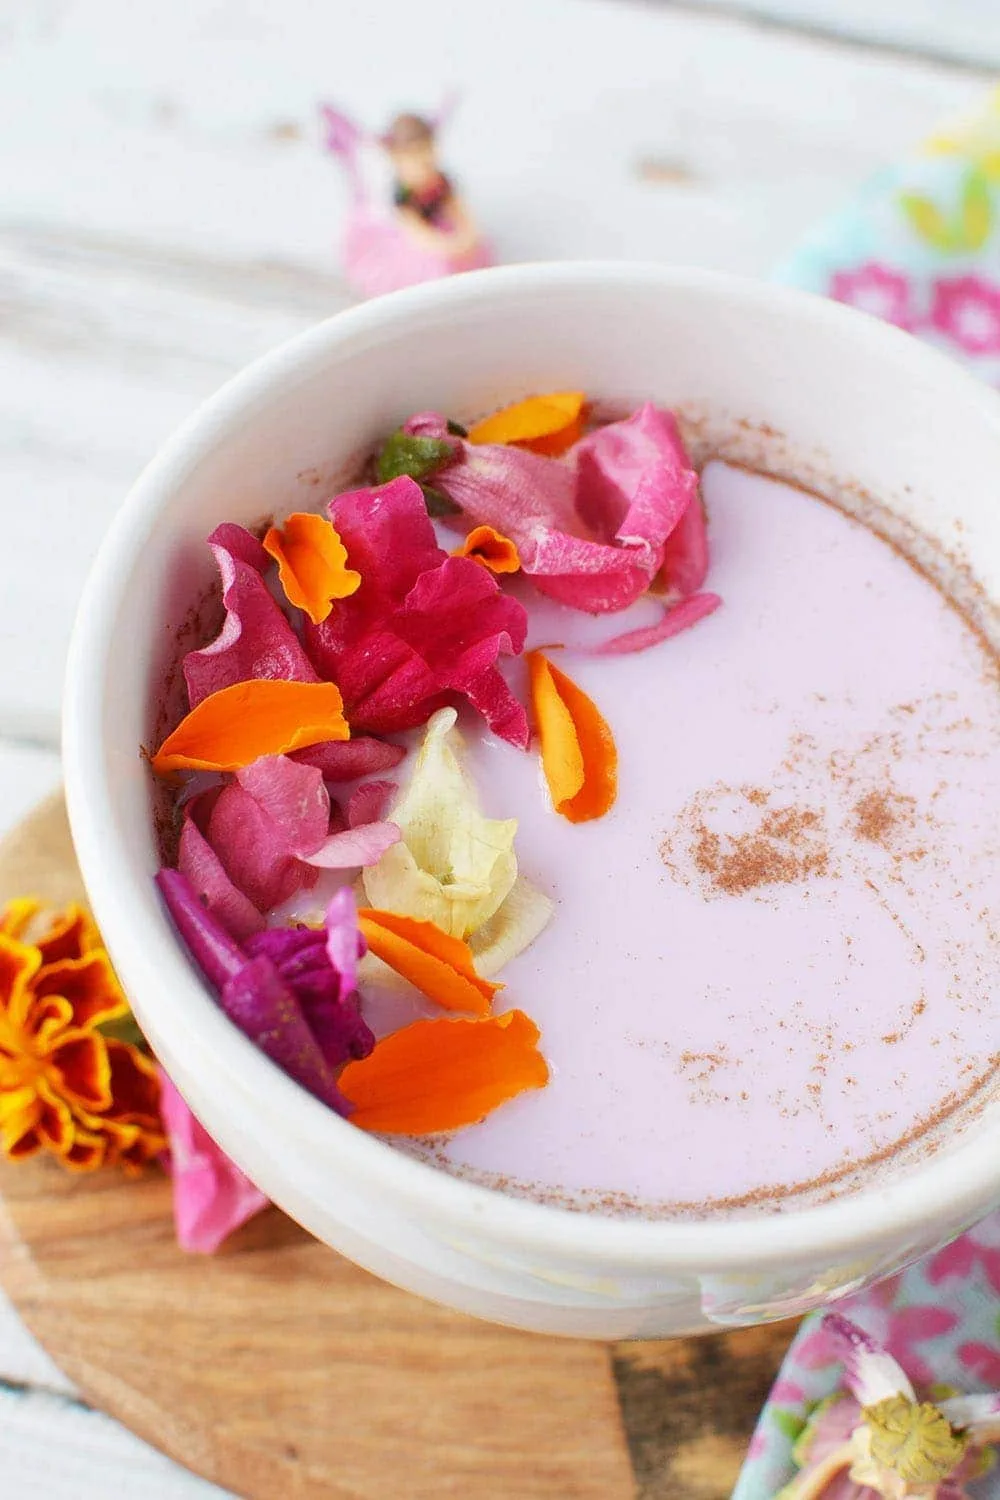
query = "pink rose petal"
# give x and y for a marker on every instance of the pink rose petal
(255, 640)
(294, 798)
(349, 760)
(355, 847)
(212, 1197)
(199, 862)
(685, 555)
(590, 529)
(254, 851)
(369, 802)
(676, 617)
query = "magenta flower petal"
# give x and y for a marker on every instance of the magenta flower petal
(344, 942)
(253, 849)
(355, 848)
(255, 640)
(198, 861)
(369, 802)
(349, 760)
(675, 618)
(212, 1197)
(293, 797)
(217, 954)
(421, 628)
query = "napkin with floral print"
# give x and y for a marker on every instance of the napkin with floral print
(920, 248)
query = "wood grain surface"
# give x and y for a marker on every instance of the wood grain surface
(279, 1368)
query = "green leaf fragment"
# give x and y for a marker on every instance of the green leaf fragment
(437, 502)
(416, 457)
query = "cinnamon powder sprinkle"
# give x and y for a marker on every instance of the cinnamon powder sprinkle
(878, 813)
(785, 847)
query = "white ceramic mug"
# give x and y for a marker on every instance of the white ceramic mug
(788, 382)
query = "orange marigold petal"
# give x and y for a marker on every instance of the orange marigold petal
(526, 421)
(71, 934)
(17, 915)
(438, 965)
(50, 1018)
(135, 1087)
(56, 1127)
(579, 756)
(491, 548)
(556, 443)
(79, 1070)
(265, 716)
(18, 966)
(20, 1111)
(312, 563)
(442, 1074)
(89, 984)
(88, 1152)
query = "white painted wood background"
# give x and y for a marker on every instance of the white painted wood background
(166, 215)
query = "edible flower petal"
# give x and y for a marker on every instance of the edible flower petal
(675, 618)
(421, 628)
(201, 865)
(321, 966)
(554, 416)
(312, 563)
(579, 756)
(438, 965)
(211, 1196)
(454, 866)
(491, 548)
(439, 1075)
(238, 724)
(255, 640)
(350, 760)
(253, 849)
(590, 529)
(251, 991)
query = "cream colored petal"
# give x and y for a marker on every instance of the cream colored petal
(454, 866)
(524, 914)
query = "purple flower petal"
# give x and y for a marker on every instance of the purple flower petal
(349, 760)
(218, 957)
(198, 861)
(676, 617)
(266, 1010)
(212, 1197)
(368, 802)
(255, 640)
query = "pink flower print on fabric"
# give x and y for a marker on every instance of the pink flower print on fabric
(908, 1326)
(875, 289)
(967, 310)
(978, 1249)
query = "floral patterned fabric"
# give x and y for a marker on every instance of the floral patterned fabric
(921, 249)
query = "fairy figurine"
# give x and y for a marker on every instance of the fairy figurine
(425, 231)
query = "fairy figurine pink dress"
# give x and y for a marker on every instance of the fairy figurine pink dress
(424, 231)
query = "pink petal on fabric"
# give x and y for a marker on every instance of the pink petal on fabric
(871, 1373)
(369, 802)
(254, 851)
(212, 1197)
(982, 1361)
(355, 847)
(293, 796)
(198, 861)
(255, 640)
(349, 760)
(590, 529)
(676, 617)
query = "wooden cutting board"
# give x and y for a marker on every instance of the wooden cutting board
(276, 1368)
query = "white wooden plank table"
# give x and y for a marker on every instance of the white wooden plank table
(166, 215)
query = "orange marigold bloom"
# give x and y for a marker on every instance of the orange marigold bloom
(65, 1087)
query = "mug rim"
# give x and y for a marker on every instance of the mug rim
(962, 1182)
